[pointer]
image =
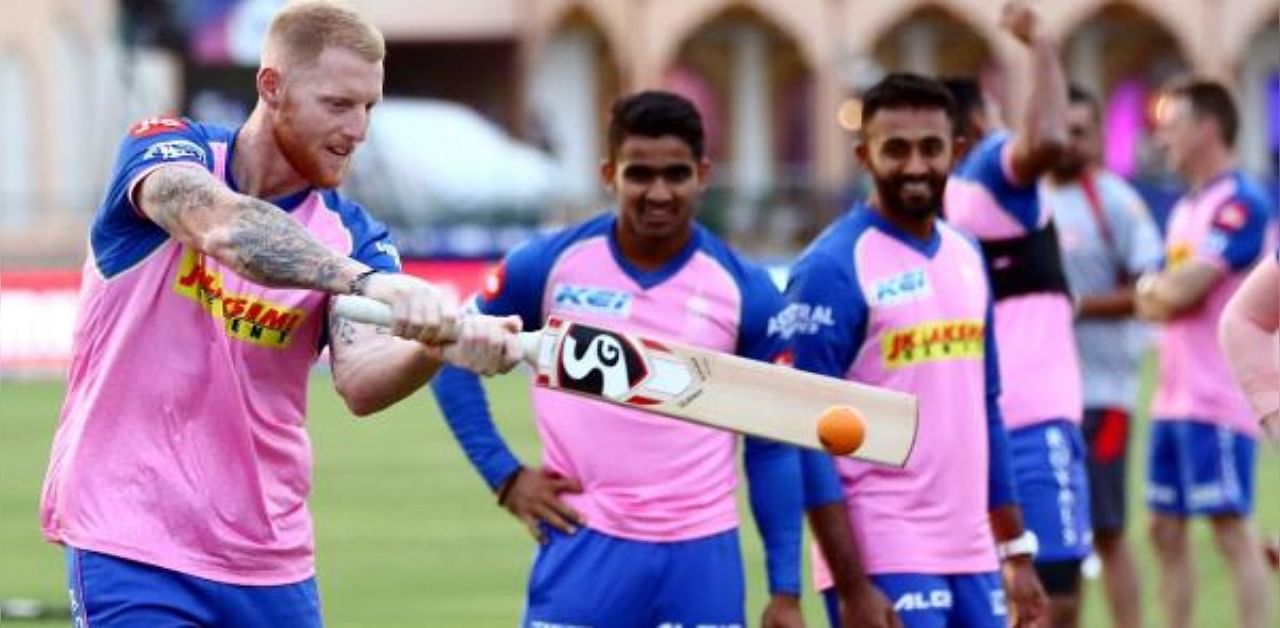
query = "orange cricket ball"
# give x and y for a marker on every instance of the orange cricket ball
(841, 430)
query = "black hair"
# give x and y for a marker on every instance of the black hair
(1078, 95)
(969, 99)
(1210, 99)
(655, 114)
(906, 90)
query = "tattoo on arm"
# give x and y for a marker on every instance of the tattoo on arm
(252, 236)
(341, 330)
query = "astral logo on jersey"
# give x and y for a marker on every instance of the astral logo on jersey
(246, 318)
(592, 300)
(801, 318)
(173, 151)
(912, 285)
(600, 363)
(936, 340)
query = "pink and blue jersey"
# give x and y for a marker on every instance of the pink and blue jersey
(873, 304)
(182, 441)
(1033, 312)
(1224, 224)
(644, 477)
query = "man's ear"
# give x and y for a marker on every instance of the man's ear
(269, 85)
(863, 152)
(609, 174)
(704, 173)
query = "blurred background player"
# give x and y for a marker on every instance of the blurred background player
(636, 514)
(1108, 240)
(992, 194)
(891, 296)
(182, 499)
(1203, 442)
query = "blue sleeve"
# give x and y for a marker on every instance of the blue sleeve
(987, 167)
(827, 315)
(827, 321)
(821, 481)
(517, 284)
(773, 469)
(1001, 490)
(1238, 232)
(773, 482)
(511, 289)
(761, 336)
(371, 242)
(121, 235)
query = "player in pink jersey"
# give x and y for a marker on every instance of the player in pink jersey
(992, 194)
(1203, 443)
(889, 295)
(180, 469)
(635, 513)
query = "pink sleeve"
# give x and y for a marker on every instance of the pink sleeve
(1248, 334)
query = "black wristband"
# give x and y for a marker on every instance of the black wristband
(506, 486)
(357, 284)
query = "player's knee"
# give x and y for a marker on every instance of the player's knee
(1231, 533)
(1168, 535)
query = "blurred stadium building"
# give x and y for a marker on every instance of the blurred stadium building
(495, 108)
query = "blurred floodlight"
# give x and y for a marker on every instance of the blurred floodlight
(849, 115)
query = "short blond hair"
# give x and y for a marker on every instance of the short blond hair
(302, 30)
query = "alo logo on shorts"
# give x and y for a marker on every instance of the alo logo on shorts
(598, 362)
(936, 599)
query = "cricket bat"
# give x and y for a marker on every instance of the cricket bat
(700, 385)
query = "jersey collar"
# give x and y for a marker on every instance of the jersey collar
(649, 278)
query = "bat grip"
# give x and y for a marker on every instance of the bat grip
(373, 312)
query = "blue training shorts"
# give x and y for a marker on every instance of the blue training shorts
(111, 592)
(1049, 467)
(937, 601)
(592, 579)
(1198, 468)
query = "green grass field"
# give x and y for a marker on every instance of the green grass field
(407, 534)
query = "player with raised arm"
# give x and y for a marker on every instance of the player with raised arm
(1108, 240)
(180, 469)
(635, 513)
(992, 194)
(1203, 441)
(892, 296)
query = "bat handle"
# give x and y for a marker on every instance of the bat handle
(373, 312)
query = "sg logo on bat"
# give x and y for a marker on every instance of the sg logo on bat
(598, 362)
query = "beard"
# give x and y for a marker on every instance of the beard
(1069, 167)
(895, 198)
(304, 159)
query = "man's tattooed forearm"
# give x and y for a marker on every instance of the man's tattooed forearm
(259, 241)
(272, 249)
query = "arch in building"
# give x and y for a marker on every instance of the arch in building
(1123, 53)
(933, 40)
(672, 30)
(1254, 22)
(564, 113)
